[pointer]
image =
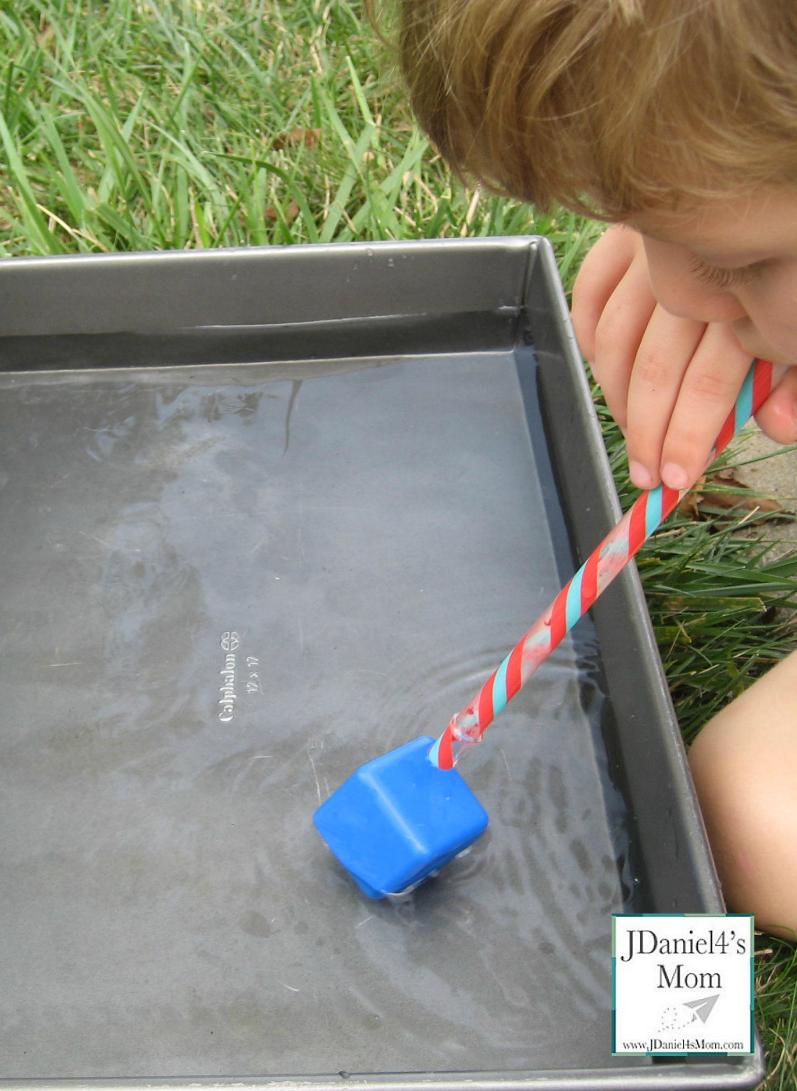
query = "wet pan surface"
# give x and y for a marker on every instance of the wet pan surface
(229, 590)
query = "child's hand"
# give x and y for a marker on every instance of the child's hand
(669, 382)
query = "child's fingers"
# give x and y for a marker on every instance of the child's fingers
(620, 329)
(665, 353)
(669, 381)
(602, 270)
(707, 393)
(778, 415)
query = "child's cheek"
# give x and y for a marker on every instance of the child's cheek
(753, 341)
(770, 327)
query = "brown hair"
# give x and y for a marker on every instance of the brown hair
(610, 107)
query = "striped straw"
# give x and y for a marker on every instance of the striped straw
(576, 597)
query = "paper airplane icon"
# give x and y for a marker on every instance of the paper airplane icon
(702, 1008)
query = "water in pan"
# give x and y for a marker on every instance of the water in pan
(223, 591)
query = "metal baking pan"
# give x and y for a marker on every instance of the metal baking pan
(265, 515)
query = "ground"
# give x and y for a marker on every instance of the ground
(774, 476)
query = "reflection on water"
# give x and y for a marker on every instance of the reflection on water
(229, 595)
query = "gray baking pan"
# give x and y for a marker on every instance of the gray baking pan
(267, 514)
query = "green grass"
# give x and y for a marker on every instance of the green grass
(133, 125)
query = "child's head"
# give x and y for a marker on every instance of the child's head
(618, 107)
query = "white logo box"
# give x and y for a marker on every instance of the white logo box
(682, 983)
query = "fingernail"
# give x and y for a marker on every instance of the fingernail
(674, 476)
(639, 475)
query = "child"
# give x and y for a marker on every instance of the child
(676, 121)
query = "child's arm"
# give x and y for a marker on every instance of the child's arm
(669, 381)
(744, 763)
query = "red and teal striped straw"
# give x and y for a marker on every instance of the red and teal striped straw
(576, 597)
